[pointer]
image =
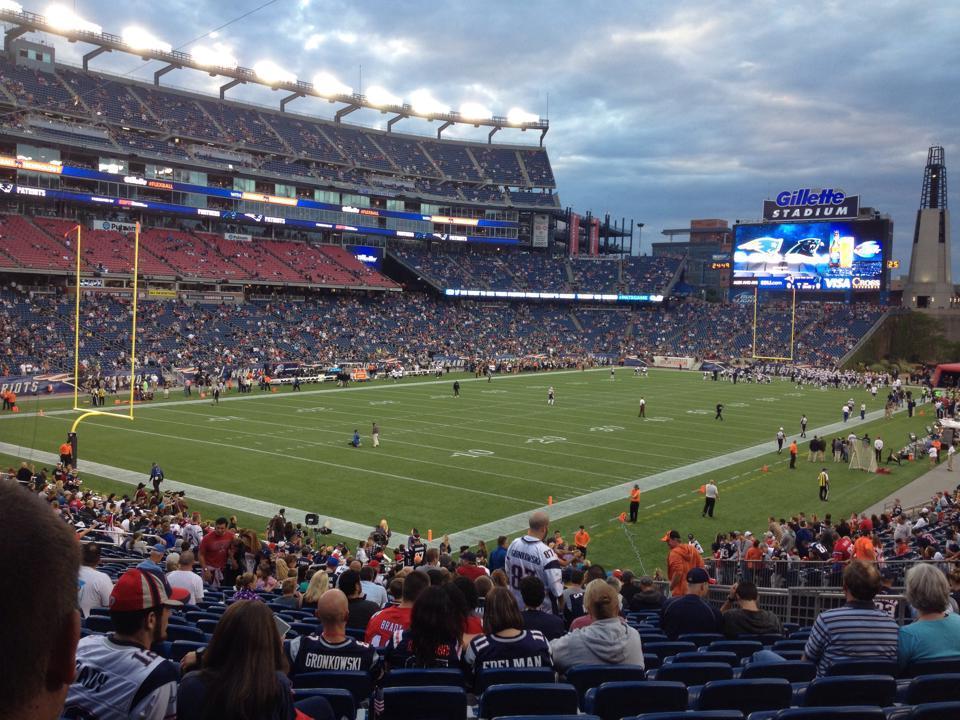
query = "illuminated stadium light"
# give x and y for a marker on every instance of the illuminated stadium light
(63, 18)
(517, 116)
(217, 55)
(475, 111)
(11, 6)
(140, 39)
(326, 84)
(425, 104)
(270, 72)
(379, 97)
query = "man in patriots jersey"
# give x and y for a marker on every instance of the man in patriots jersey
(117, 675)
(529, 555)
(332, 649)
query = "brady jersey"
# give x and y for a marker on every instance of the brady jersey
(529, 649)
(385, 623)
(313, 653)
(529, 556)
(117, 681)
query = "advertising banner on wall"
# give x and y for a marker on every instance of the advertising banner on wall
(541, 229)
(595, 237)
(574, 231)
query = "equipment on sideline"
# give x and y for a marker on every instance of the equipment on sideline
(862, 457)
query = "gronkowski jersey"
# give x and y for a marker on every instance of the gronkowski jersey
(527, 650)
(313, 653)
(120, 681)
(529, 556)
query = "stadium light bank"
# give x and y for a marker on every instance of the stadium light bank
(62, 21)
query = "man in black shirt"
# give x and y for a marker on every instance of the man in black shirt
(748, 619)
(533, 594)
(691, 613)
(332, 649)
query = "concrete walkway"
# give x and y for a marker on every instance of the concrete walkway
(922, 489)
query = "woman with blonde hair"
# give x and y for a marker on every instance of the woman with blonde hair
(318, 585)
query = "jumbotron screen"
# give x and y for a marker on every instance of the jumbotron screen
(821, 256)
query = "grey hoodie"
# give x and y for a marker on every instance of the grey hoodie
(610, 642)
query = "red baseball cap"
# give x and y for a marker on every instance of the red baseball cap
(138, 590)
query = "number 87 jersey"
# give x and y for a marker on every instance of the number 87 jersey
(528, 555)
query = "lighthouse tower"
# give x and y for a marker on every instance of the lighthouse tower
(930, 282)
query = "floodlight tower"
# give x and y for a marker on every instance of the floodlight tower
(930, 282)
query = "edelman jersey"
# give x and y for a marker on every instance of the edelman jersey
(120, 681)
(529, 556)
(529, 649)
(313, 653)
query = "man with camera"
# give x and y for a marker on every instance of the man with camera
(742, 616)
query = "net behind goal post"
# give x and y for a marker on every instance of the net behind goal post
(774, 325)
(862, 457)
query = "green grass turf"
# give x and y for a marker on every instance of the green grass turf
(290, 449)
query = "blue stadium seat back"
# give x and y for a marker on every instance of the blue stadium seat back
(878, 690)
(943, 687)
(100, 611)
(317, 708)
(791, 654)
(179, 648)
(614, 700)
(700, 639)
(184, 632)
(801, 634)
(789, 645)
(301, 614)
(584, 677)
(419, 677)
(207, 626)
(99, 623)
(695, 673)
(500, 676)
(792, 670)
(424, 703)
(790, 627)
(865, 666)
(195, 616)
(522, 699)
(743, 648)
(936, 711)
(850, 712)
(358, 683)
(549, 717)
(765, 640)
(684, 715)
(666, 649)
(747, 696)
(179, 620)
(652, 636)
(931, 667)
(302, 628)
(164, 649)
(341, 701)
(651, 661)
(700, 657)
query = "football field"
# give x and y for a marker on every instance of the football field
(473, 467)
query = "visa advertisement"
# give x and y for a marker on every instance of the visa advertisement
(831, 256)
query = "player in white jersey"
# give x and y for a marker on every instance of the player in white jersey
(118, 678)
(529, 555)
(550, 396)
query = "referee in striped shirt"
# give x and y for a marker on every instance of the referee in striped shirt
(857, 630)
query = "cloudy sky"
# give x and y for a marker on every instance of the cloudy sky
(661, 112)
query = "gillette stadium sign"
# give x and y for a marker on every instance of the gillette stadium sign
(811, 204)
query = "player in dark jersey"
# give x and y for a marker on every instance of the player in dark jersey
(332, 649)
(719, 415)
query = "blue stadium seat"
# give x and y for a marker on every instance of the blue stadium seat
(852, 712)
(743, 648)
(664, 650)
(424, 703)
(548, 717)
(747, 696)
(195, 615)
(765, 640)
(695, 673)
(358, 683)
(700, 639)
(418, 677)
(179, 620)
(651, 661)
(700, 657)
(789, 645)
(317, 708)
(682, 715)
(792, 670)
(614, 700)
(184, 632)
(500, 676)
(98, 623)
(520, 699)
(931, 667)
(936, 711)
(207, 626)
(100, 611)
(584, 677)
(652, 636)
(944, 687)
(865, 666)
(302, 628)
(179, 648)
(878, 690)
(341, 701)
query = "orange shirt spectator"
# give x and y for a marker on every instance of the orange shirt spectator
(754, 556)
(863, 549)
(681, 560)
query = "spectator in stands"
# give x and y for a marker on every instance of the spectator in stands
(748, 618)
(499, 555)
(361, 609)
(242, 671)
(647, 597)
(505, 643)
(117, 675)
(533, 594)
(607, 640)
(184, 577)
(691, 613)
(468, 566)
(40, 630)
(94, 587)
(935, 632)
(154, 561)
(291, 597)
(434, 636)
(246, 585)
(333, 649)
(318, 585)
(371, 590)
(857, 629)
(394, 619)
(213, 552)
(680, 560)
